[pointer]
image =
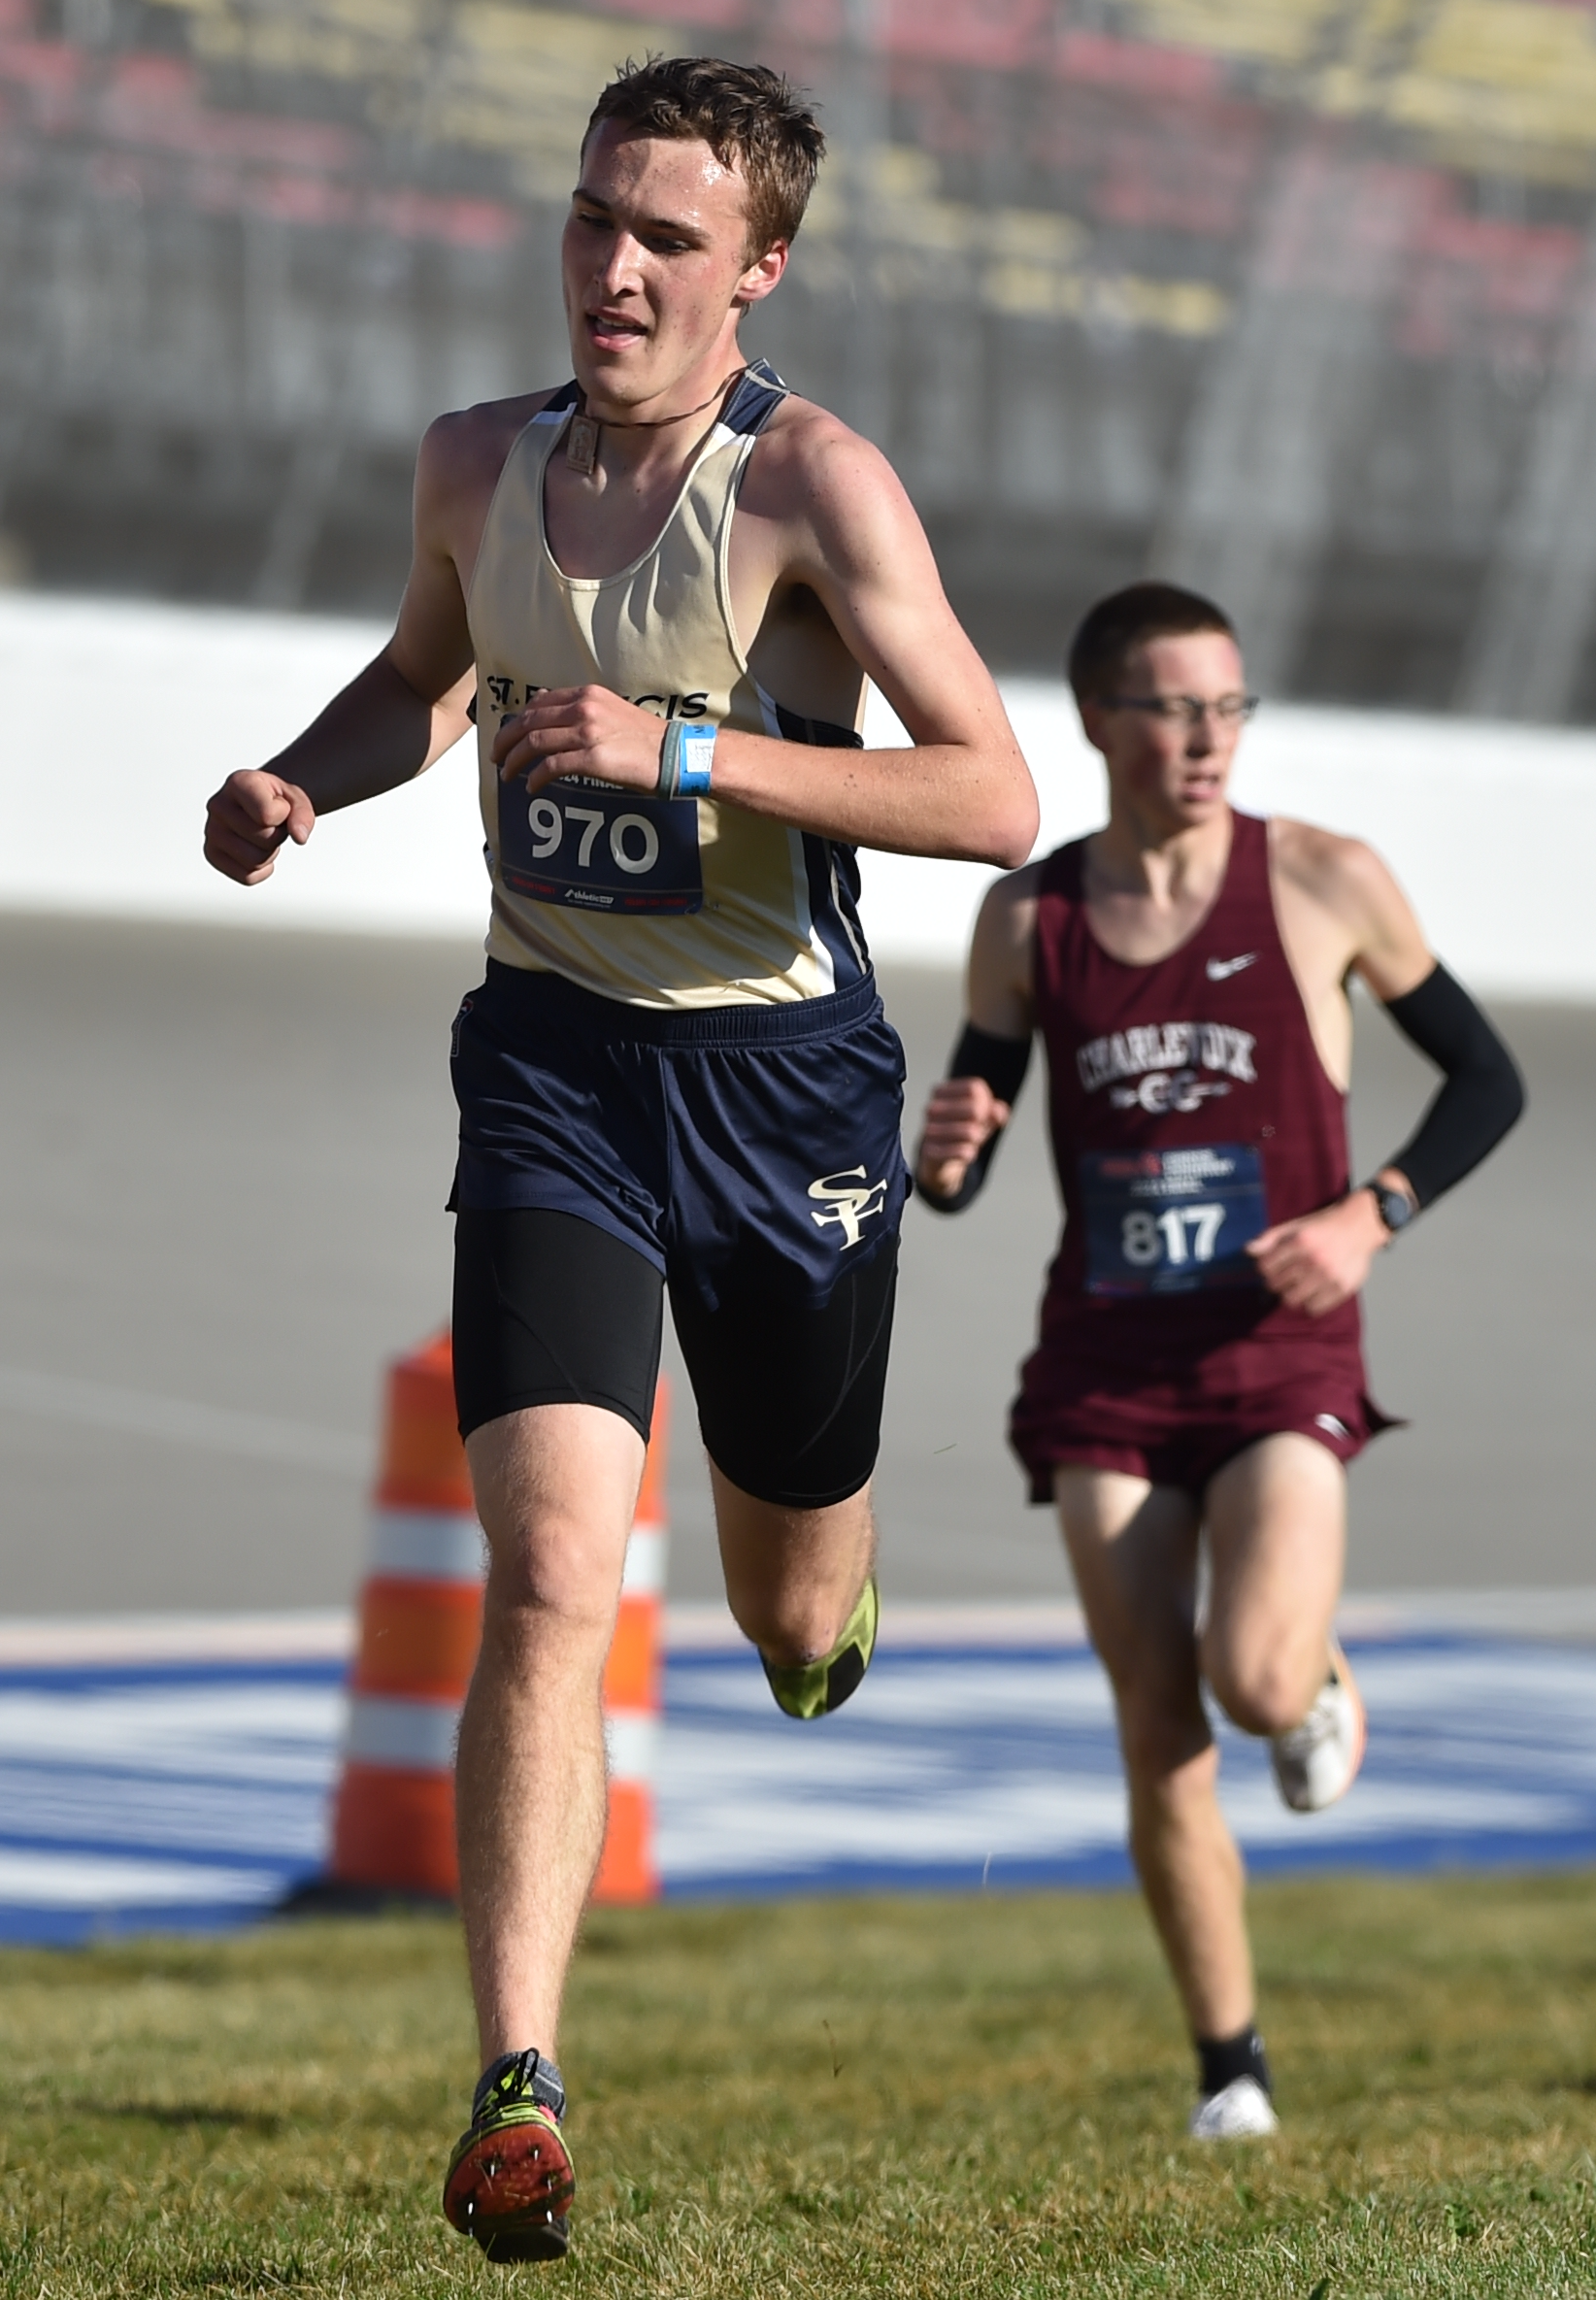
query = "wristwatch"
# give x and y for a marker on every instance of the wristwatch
(1396, 1210)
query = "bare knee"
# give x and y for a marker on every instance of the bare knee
(790, 1626)
(555, 1487)
(1277, 1535)
(551, 1588)
(1266, 1691)
(794, 1576)
(1167, 1747)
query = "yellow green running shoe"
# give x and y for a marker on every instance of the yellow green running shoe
(816, 1688)
(509, 2181)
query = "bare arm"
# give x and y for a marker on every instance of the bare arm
(837, 521)
(399, 715)
(963, 1113)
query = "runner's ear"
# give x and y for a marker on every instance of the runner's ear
(763, 274)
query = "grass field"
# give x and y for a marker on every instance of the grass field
(981, 2097)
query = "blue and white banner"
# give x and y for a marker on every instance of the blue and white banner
(154, 1780)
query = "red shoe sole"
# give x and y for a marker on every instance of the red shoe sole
(510, 2186)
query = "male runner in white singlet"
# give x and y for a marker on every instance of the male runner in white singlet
(659, 590)
(1200, 1366)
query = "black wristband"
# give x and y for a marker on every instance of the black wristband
(1481, 1097)
(1003, 1063)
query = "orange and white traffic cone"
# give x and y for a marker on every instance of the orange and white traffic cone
(420, 1624)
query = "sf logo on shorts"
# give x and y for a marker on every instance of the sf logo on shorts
(849, 1201)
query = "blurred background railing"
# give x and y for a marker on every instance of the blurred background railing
(1292, 298)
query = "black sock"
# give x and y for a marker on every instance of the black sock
(533, 2071)
(1220, 2060)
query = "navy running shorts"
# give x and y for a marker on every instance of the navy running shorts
(747, 1157)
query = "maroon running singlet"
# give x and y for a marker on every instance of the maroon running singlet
(1190, 1112)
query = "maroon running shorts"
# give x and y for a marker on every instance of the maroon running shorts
(1178, 1420)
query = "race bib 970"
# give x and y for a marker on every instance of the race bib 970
(1172, 1222)
(593, 847)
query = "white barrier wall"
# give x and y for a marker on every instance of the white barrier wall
(116, 722)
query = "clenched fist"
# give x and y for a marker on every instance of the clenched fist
(248, 821)
(961, 1117)
(1318, 1261)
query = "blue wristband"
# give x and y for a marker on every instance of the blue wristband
(686, 754)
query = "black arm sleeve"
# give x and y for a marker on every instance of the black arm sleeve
(1003, 1063)
(1482, 1094)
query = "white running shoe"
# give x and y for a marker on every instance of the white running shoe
(1240, 2111)
(1317, 1761)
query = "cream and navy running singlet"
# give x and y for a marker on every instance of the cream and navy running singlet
(676, 903)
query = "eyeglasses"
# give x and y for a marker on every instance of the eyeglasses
(1231, 710)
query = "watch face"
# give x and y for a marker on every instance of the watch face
(1395, 1211)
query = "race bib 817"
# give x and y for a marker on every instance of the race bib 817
(592, 846)
(1172, 1222)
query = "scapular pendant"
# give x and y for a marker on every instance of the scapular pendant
(582, 441)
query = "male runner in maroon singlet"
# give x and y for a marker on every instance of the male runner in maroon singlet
(1200, 1366)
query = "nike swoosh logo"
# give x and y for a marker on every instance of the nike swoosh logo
(1220, 970)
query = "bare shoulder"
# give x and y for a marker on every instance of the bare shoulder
(1008, 910)
(1355, 894)
(803, 436)
(1345, 874)
(456, 471)
(810, 470)
(461, 448)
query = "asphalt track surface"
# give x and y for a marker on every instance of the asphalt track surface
(226, 1156)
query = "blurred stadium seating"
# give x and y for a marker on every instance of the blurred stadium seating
(1296, 298)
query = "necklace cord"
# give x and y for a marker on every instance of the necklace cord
(659, 423)
(581, 432)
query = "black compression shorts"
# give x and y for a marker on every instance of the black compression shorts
(549, 1310)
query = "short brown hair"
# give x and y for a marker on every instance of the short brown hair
(1130, 619)
(749, 117)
